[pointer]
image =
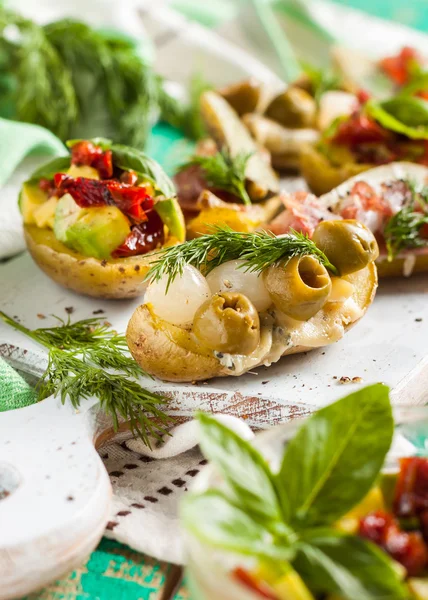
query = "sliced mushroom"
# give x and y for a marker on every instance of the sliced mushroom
(228, 131)
(284, 144)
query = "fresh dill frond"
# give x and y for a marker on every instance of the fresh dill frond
(88, 358)
(41, 89)
(224, 171)
(259, 250)
(403, 230)
(321, 80)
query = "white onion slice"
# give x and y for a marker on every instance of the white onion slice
(185, 295)
(229, 278)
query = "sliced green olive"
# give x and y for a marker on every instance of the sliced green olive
(298, 288)
(244, 96)
(349, 245)
(228, 322)
(294, 108)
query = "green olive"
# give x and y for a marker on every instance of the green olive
(299, 288)
(228, 322)
(294, 108)
(243, 96)
(349, 245)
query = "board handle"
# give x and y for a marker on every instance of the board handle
(55, 494)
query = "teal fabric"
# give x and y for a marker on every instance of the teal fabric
(18, 140)
(14, 391)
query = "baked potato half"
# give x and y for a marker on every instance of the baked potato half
(93, 219)
(193, 327)
(390, 200)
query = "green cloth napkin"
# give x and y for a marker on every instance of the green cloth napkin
(15, 392)
(18, 140)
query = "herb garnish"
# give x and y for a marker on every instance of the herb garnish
(403, 230)
(259, 250)
(288, 516)
(321, 80)
(78, 81)
(224, 171)
(87, 358)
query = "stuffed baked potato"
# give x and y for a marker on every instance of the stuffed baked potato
(253, 298)
(92, 219)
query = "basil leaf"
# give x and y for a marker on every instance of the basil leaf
(330, 561)
(405, 115)
(418, 83)
(243, 468)
(212, 518)
(49, 169)
(334, 459)
(104, 143)
(130, 159)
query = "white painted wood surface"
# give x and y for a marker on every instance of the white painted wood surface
(47, 453)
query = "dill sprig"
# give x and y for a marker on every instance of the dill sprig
(88, 358)
(259, 250)
(224, 172)
(403, 230)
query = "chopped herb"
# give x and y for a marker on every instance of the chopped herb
(258, 250)
(224, 172)
(403, 230)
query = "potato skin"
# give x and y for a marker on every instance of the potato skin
(121, 278)
(321, 175)
(152, 344)
(168, 352)
(395, 268)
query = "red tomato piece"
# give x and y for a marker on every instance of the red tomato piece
(255, 585)
(360, 129)
(411, 495)
(408, 549)
(397, 67)
(131, 200)
(143, 238)
(88, 154)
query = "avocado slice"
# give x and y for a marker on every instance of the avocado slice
(292, 586)
(30, 198)
(170, 212)
(66, 214)
(387, 484)
(95, 231)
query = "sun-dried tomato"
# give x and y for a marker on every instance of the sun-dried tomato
(408, 549)
(47, 186)
(143, 238)
(360, 129)
(134, 201)
(131, 200)
(398, 67)
(260, 588)
(88, 154)
(363, 96)
(411, 492)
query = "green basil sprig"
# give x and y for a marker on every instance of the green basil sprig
(327, 468)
